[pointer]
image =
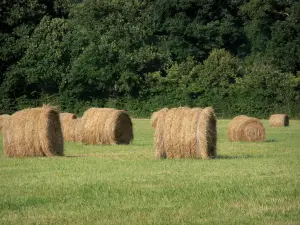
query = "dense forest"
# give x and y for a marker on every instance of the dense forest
(238, 56)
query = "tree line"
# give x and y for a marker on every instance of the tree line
(238, 56)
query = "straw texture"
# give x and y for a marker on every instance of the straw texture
(33, 132)
(185, 132)
(155, 115)
(106, 126)
(279, 120)
(244, 128)
(68, 126)
(78, 129)
(2, 120)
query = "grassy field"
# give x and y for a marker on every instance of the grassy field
(248, 183)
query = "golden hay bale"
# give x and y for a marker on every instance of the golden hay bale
(279, 120)
(155, 115)
(106, 126)
(33, 132)
(78, 126)
(67, 116)
(68, 125)
(244, 128)
(185, 132)
(3, 117)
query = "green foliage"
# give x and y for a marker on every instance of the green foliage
(272, 28)
(264, 90)
(284, 46)
(46, 59)
(145, 55)
(194, 28)
(216, 75)
(213, 80)
(18, 19)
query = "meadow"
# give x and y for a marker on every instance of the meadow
(248, 183)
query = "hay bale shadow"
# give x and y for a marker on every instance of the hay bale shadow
(75, 156)
(270, 141)
(238, 156)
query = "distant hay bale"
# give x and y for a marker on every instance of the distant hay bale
(68, 125)
(78, 129)
(279, 120)
(33, 132)
(3, 117)
(185, 132)
(244, 128)
(68, 116)
(155, 115)
(106, 126)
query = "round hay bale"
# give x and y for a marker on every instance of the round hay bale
(155, 115)
(3, 117)
(279, 120)
(106, 126)
(67, 116)
(244, 128)
(78, 126)
(185, 132)
(68, 125)
(33, 132)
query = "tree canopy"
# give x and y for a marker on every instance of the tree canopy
(239, 56)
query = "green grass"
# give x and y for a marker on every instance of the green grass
(249, 183)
